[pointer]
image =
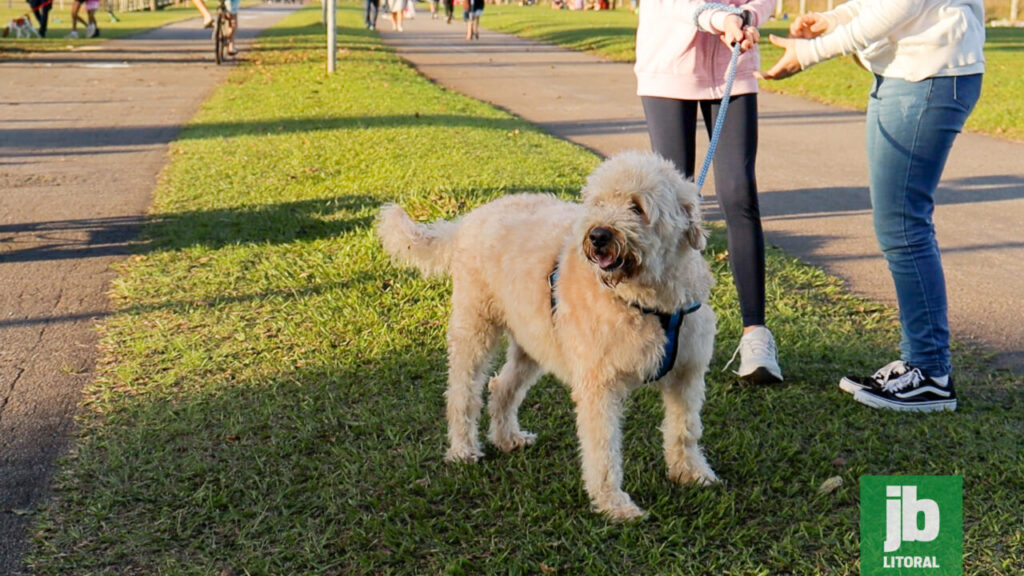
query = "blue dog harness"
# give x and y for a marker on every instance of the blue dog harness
(670, 323)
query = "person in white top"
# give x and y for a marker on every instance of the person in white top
(927, 58)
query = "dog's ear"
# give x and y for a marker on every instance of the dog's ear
(696, 235)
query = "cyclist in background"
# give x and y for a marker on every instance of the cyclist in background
(233, 25)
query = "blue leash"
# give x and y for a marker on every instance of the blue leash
(716, 132)
(729, 77)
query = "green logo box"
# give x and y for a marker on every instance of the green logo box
(911, 525)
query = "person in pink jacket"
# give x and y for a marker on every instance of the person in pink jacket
(683, 49)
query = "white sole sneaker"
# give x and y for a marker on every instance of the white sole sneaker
(851, 386)
(759, 362)
(761, 375)
(911, 391)
(878, 402)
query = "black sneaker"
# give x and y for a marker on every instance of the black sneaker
(891, 370)
(910, 392)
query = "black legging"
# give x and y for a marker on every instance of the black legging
(672, 125)
(372, 9)
(41, 8)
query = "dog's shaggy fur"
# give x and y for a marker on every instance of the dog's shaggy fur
(633, 243)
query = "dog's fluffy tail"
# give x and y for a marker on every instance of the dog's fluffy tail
(427, 247)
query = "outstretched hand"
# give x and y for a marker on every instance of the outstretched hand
(808, 26)
(788, 65)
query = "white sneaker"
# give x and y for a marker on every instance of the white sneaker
(73, 34)
(758, 357)
(90, 30)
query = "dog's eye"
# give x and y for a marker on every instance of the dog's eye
(637, 209)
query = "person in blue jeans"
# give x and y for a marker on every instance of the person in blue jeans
(927, 59)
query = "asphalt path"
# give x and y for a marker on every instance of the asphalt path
(83, 137)
(812, 171)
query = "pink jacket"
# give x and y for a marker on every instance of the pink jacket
(676, 60)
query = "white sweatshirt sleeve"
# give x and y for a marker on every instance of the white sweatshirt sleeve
(858, 24)
(842, 14)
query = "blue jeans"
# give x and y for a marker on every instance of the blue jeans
(910, 130)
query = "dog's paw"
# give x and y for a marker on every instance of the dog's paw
(514, 441)
(705, 479)
(620, 508)
(699, 475)
(467, 454)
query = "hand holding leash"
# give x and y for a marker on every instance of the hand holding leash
(738, 30)
(739, 35)
(738, 27)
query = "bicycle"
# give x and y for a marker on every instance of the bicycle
(222, 31)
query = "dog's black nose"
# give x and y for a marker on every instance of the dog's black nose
(600, 237)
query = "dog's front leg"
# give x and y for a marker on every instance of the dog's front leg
(598, 423)
(683, 396)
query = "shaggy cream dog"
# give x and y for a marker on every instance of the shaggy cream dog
(578, 289)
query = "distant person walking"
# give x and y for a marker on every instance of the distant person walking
(397, 8)
(91, 29)
(372, 11)
(927, 58)
(471, 13)
(41, 10)
(682, 56)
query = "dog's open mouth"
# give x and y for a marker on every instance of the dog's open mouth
(608, 252)
(608, 262)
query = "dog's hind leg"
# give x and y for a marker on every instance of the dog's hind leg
(507, 390)
(471, 340)
(683, 396)
(599, 425)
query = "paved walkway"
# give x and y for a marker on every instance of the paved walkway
(83, 136)
(811, 170)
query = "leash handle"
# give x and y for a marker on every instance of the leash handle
(720, 118)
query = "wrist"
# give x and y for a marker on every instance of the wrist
(720, 21)
(747, 18)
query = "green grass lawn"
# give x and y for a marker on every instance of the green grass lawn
(271, 397)
(611, 34)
